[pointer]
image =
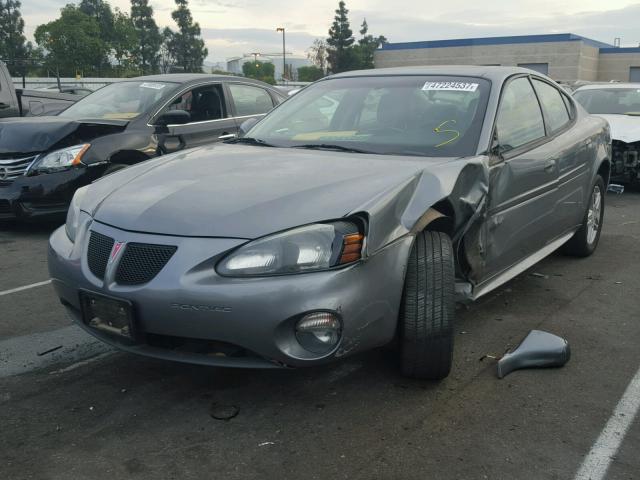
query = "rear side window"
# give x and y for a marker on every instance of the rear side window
(553, 105)
(519, 116)
(250, 100)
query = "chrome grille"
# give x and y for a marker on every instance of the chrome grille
(13, 168)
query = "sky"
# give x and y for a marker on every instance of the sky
(236, 27)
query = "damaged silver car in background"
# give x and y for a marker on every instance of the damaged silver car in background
(618, 104)
(348, 217)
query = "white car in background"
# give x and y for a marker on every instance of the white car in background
(619, 104)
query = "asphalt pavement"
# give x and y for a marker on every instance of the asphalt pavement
(72, 408)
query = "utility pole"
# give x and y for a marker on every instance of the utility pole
(284, 55)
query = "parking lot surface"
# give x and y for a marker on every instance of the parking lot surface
(84, 411)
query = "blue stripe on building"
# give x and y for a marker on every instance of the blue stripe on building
(470, 42)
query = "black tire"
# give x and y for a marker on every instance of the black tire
(428, 308)
(584, 243)
(114, 167)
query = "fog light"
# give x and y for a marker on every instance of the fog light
(318, 332)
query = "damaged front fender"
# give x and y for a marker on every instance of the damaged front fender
(456, 190)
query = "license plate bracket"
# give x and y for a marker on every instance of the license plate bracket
(113, 316)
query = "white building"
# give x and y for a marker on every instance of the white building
(234, 64)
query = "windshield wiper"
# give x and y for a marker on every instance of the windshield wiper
(250, 141)
(330, 146)
(632, 114)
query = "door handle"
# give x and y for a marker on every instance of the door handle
(3, 106)
(550, 166)
(226, 136)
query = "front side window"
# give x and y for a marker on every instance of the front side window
(202, 103)
(119, 101)
(617, 101)
(519, 116)
(553, 105)
(250, 100)
(405, 115)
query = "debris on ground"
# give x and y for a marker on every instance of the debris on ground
(223, 412)
(266, 443)
(491, 357)
(538, 349)
(538, 275)
(40, 354)
(615, 188)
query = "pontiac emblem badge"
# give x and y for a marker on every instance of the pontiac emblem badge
(114, 251)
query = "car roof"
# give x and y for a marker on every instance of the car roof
(494, 73)
(186, 78)
(600, 86)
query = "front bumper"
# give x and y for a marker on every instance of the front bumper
(187, 303)
(45, 195)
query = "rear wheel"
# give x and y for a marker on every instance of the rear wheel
(428, 309)
(585, 240)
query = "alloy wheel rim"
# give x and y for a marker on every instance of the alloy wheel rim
(594, 214)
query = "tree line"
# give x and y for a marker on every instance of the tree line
(91, 39)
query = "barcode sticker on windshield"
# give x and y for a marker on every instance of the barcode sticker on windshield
(451, 86)
(155, 86)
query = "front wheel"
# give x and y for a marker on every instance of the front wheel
(585, 240)
(427, 311)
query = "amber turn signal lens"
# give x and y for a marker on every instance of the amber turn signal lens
(351, 248)
(78, 158)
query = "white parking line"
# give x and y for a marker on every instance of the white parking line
(25, 287)
(596, 463)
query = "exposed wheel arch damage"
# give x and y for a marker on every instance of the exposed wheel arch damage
(453, 203)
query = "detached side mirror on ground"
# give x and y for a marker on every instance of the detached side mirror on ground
(537, 350)
(173, 117)
(246, 126)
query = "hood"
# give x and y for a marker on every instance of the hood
(625, 128)
(39, 134)
(245, 192)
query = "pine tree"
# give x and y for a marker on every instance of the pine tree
(149, 37)
(367, 45)
(13, 45)
(185, 45)
(341, 55)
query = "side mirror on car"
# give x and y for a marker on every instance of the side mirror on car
(246, 126)
(173, 117)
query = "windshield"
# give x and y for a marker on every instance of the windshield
(619, 101)
(119, 101)
(403, 115)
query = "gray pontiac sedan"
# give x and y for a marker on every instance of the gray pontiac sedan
(351, 216)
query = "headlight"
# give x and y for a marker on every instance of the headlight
(74, 214)
(62, 159)
(313, 247)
